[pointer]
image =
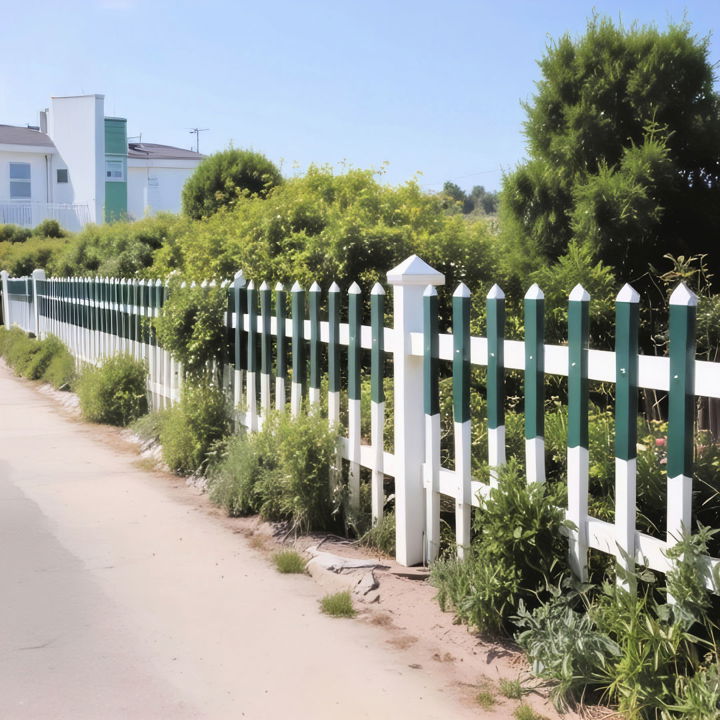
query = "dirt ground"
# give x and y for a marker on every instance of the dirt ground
(400, 622)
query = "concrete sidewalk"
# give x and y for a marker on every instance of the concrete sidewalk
(122, 598)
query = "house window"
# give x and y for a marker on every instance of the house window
(62, 175)
(20, 181)
(114, 171)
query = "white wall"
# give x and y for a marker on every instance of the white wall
(77, 127)
(38, 172)
(164, 194)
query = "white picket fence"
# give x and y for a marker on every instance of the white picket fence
(415, 462)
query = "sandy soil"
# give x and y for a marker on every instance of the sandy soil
(193, 620)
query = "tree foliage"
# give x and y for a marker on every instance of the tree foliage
(222, 178)
(624, 144)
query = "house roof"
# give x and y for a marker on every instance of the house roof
(13, 135)
(153, 151)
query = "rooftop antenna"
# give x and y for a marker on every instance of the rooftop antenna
(196, 132)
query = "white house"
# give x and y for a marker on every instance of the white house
(76, 166)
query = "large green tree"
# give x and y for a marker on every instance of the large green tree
(222, 178)
(623, 138)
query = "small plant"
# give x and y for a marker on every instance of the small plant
(149, 427)
(115, 392)
(232, 480)
(338, 605)
(525, 712)
(289, 561)
(381, 537)
(60, 371)
(511, 689)
(485, 699)
(194, 427)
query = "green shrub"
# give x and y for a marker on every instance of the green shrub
(338, 605)
(13, 233)
(294, 484)
(49, 228)
(223, 177)
(60, 371)
(289, 561)
(46, 349)
(517, 552)
(281, 472)
(115, 392)
(191, 325)
(194, 427)
(19, 349)
(232, 481)
(149, 427)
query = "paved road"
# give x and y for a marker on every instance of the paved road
(120, 598)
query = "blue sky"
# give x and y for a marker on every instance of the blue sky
(427, 87)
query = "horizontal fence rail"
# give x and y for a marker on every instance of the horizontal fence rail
(282, 360)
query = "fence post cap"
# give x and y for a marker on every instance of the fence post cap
(251, 285)
(628, 294)
(38, 274)
(415, 271)
(296, 287)
(334, 287)
(239, 279)
(279, 287)
(354, 289)
(314, 287)
(683, 295)
(579, 294)
(496, 293)
(263, 286)
(462, 291)
(377, 289)
(430, 291)
(534, 293)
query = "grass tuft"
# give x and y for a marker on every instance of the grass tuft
(525, 712)
(511, 689)
(485, 699)
(338, 605)
(289, 561)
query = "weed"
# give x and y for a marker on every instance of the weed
(289, 561)
(338, 605)
(525, 712)
(149, 427)
(511, 689)
(485, 699)
(381, 537)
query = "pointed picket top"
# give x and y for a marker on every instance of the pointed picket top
(377, 289)
(122, 282)
(354, 289)
(430, 291)
(579, 294)
(203, 284)
(279, 287)
(158, 282)
(628, 294)
(239, 278)
(296, 287)
(334, 287)
(142, 281)
(534, 293)
(314, 288)
(683, 295)
(463, 291)
(496, 293)
(251, 285)
(415, 271)
(263, 286)
(225, 283)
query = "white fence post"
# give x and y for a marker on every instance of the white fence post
(6, 299)
(36, 275)
(409, 280)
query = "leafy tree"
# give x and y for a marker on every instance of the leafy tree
(223, 177)
(483, 200)
(624, 144)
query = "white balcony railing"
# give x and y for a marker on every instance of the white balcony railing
(29, 214)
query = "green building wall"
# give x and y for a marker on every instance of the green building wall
(116, 149)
